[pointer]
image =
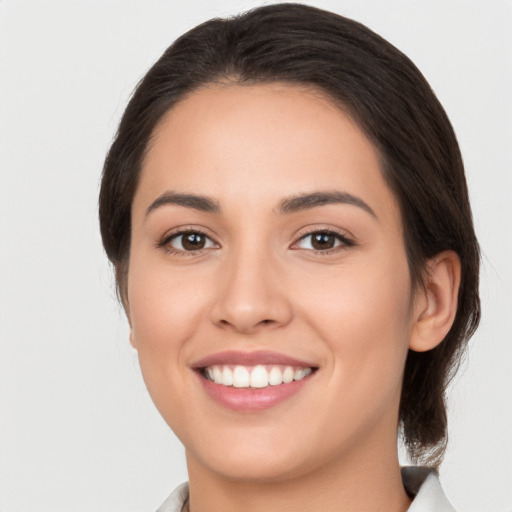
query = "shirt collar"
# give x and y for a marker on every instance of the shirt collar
(423, 483)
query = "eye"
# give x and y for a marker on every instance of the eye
(188, 241)
(323, 241)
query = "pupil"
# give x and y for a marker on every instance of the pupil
(323, 241)
(193, 241)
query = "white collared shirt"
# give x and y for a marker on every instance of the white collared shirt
(420, 482)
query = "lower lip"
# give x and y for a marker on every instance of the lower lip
(252, 399)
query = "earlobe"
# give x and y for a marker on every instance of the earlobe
(132, 340)
(436, 302)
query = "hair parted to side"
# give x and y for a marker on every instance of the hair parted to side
(383, 91)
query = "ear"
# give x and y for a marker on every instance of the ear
(133, 343)
(435, 303)
(126, 307)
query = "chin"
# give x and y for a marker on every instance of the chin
(254, 456)
(257, 468)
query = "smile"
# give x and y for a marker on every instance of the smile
(252, 381)
(259, 376)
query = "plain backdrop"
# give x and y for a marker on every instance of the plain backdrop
(78, 431)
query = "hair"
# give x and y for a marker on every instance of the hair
(390, 100)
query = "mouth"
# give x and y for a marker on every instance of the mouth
(259, 376)
(252, 381)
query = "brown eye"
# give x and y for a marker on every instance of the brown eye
(323, 241)
(193, 241)
(190, 241)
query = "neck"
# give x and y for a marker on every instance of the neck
(364, 482)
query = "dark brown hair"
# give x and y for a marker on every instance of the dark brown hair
(384, 92)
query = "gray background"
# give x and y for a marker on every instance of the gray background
(77, 429)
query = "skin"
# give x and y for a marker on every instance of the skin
(258, 284)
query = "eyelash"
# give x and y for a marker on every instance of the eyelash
(165, 242)
(345, 242)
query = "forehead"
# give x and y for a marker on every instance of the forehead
(258, 143)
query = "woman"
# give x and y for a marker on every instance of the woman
(287, 214)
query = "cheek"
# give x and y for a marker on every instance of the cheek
(369, 295)
(364, 316)
(163, 305)
(164, 313)
(164, 309)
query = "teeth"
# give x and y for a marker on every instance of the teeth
(275, 377)
(241, 377)
(227, 376)
(300, 374)
(217, 375)
(258, 376)
(288, 374)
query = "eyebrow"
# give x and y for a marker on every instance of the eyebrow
(307, 201)
(289, 205)
(197, 202)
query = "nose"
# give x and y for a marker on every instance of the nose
(251, 296)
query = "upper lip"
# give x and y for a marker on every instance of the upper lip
(263, 357)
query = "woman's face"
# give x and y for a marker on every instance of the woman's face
(266, 245)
